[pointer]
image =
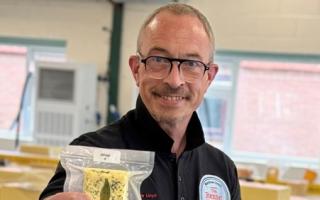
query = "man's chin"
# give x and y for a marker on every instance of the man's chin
(168, 118)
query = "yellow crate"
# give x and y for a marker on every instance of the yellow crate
(29, 158)
(314, 189)
(21, 191)
(22, 174)
(264, 191)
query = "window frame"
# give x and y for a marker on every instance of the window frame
(35, 47)
(235, 58)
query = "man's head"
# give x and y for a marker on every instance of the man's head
(174, 66)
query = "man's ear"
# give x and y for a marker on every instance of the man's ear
(134, 64)
(212, 72)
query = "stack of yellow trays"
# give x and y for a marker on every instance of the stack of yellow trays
(28, 172)
(264, 191)
(23, 183)
(32, 155)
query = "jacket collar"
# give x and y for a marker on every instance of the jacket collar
(150, 135)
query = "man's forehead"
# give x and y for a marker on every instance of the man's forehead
(177, 23)
(156, 50)
(153, 23)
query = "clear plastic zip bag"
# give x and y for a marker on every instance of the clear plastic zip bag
(106, 174)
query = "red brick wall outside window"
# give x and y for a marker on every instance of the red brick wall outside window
(278, 109)
(12, 78)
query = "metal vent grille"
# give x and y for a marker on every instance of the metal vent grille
(54, 128)
(53, 123)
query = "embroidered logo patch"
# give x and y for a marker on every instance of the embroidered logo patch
(213, 188)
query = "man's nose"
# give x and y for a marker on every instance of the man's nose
(175, 77)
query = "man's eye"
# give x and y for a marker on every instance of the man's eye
(159, 59)
(191, 63)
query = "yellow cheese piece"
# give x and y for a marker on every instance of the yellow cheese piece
(106, 184)
(264, 191)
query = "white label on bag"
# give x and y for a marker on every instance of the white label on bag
(106, 155)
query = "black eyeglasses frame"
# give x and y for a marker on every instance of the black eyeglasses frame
(171, 60)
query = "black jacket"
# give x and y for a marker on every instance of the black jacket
(201, 172)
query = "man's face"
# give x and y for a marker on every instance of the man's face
(172, 99)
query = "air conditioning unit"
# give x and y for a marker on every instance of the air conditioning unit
(64, 102)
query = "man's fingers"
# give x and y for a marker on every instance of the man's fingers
(69, 196)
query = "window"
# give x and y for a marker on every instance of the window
(270, 109)
(215, 112)
(17, 65)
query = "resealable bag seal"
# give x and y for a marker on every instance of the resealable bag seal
(113, 174)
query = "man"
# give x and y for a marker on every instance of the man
(173, 68)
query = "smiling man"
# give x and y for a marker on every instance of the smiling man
(172, 89)
(173, 68)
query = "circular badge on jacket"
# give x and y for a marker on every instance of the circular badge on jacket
(213, 188)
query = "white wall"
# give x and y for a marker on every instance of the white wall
(290, 26)
(286, 26)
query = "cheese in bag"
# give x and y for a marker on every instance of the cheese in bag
(106, 184)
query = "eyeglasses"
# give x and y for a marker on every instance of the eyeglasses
(159, 67)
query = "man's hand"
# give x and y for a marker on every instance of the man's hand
(69, 196)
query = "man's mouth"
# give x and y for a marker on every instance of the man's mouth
(172, 98)
(172, 95)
